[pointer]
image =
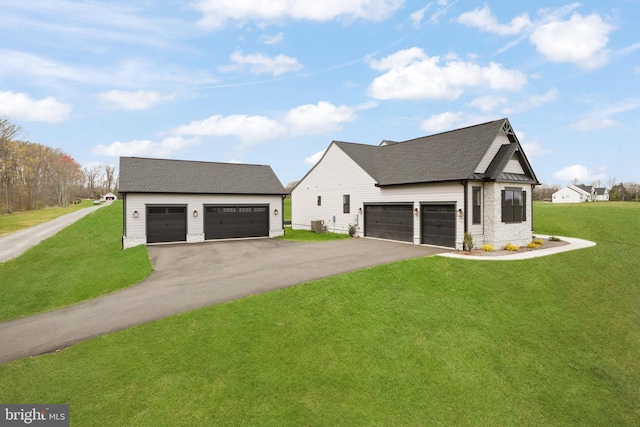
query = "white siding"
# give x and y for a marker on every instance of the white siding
(514, 166)
(337, 174)
(568, 195)
(135, 232)
(500, 140)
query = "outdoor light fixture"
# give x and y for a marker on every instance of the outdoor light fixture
(459, 213)
(360, 211)
(275, 211)
(415, 211)
(135, 214)
(195, 213)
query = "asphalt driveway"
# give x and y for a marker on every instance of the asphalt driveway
(192, 276)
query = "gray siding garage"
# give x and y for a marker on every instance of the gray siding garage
(439, 225)
(187, 201)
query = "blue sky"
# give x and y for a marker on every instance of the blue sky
(274, 82)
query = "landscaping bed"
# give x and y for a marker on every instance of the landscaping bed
(547, 244)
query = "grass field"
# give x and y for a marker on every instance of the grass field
(19, 220)
(552, 341)
(310, 236)
(81, 262)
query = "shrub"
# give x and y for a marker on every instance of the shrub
(533, 245)
(487, 248)
(352, 230)
(467, 244)
(554, 239)
(538, 242)
(510, 247)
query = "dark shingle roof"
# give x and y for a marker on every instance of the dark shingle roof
(143, 175)
(447, 156)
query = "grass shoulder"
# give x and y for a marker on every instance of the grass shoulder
(310, 236)
(83, 261)
(11, 222)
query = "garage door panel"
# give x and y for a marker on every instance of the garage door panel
(228, 222)
(393, 222)
(166, 224)
(439, 225)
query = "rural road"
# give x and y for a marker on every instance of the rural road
(191, 276)
(15, 244)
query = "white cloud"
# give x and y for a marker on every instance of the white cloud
(581, 40)
(262, 64)
(411, 74)
(449, 120)
(249, 129)
(593, 124)
(20, 106)
(578, 172)
(139, 100)
(165, 148)
(314, 158)
(271, 39)
(532, 102)
(319, 118)
(534, 149)
(217, 13)
(484, 20)
(488, 103)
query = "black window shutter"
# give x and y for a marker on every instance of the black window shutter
(524, 206)
(504, 207)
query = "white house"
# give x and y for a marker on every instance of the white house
(580, 194)
(429, 190)
(189, 201)
(108, 196)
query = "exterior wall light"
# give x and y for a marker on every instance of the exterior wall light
(360, 211)
(195, 213)
(135, 214)
(416, 211)
(275, 211)
(459, 213)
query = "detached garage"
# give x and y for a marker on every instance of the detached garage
(189, 201)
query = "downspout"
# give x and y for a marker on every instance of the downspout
(124, 217)
(531, 204)
(284, 196)
(465, 204)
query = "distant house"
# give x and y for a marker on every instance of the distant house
(580, 194)
(108, 196)
(192, 201)
(428, 190)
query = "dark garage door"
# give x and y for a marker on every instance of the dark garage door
(166, 224)
(439, 225)
(228, 222)
(393, 222)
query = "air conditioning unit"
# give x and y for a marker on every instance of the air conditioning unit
(317, 226)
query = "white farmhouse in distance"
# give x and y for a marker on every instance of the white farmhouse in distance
(580, 194)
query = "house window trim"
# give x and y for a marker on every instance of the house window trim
(476, 205)
(346, 203)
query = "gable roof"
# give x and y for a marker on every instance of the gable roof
(143, 175)
(447, 156)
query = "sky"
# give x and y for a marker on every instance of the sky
(275, 81)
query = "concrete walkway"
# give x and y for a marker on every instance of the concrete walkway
(574, 244)
(191, 276)
(15, 244)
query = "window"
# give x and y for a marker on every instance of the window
(477, 212)
(319, 200)
(346, 205)
(514, 205)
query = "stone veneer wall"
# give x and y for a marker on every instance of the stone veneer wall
(496, 232)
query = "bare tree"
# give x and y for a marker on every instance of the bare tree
(290, 186)
(611, 182)
(109, 171)
(92, 173)
(8, 131)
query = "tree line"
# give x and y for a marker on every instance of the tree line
(33, 175)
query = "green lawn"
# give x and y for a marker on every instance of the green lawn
(310, 236)
(287, 209)
(81, 262)
(24, 219)
(552, 341)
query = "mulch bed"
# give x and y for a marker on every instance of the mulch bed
(499, 252)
